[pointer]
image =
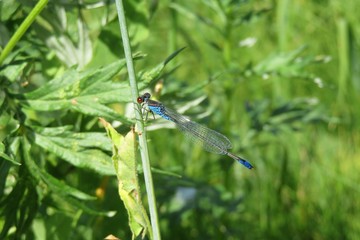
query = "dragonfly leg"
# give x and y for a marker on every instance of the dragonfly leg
(145, 110)
(153, 114)
(147, 113)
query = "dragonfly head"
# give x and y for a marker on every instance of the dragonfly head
(144, 98)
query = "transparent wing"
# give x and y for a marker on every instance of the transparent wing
(210, 140)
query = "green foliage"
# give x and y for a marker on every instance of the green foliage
(35, 143)
(129, 190)
(279, 78)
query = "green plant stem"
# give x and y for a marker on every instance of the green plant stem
(343, 52)
(139, 122)
(281, 88)
(282, 21)
(22, 29)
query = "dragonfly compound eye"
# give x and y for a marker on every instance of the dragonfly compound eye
(140, 100)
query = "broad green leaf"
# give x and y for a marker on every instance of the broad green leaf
(76, 149)
(93, 108)
(125, 166)
(113, 92)
(55, 88)
(82, 139)
(73, 84)
(86, 92)
(54, 131)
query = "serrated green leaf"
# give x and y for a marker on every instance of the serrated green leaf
(74, 149)
(54, 131)
(114, 92)
(87, 93)
(48, 90)
(82, 139)
(73, 84)
(96, 109)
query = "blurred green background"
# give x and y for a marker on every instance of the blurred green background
(279, 78)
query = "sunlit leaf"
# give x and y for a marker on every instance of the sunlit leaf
(125, 165)
(76, 149)
(86, 92)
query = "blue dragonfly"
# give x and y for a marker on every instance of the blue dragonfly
(209, 139)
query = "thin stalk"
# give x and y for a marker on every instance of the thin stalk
(281, 86)
(139, 122)
(282, 21)
(343, 52)
(22, 29)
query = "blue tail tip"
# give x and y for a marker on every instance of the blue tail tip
(246, 163)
